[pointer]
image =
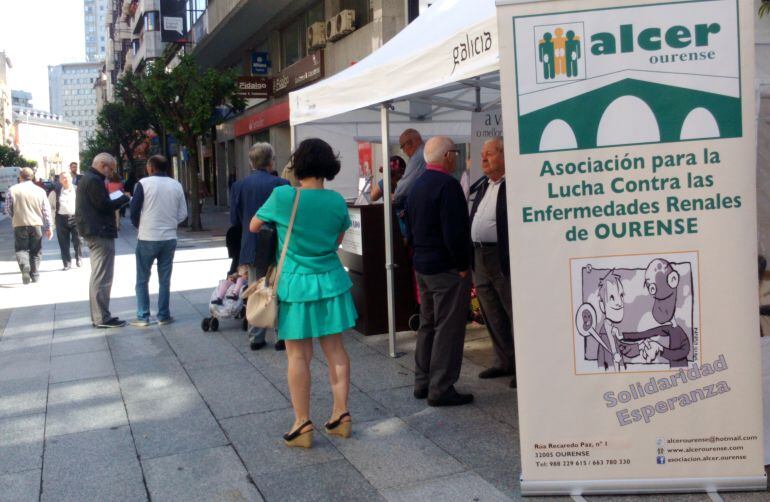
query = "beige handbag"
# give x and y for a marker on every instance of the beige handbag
(262, 302)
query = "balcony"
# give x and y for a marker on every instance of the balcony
(150, 47)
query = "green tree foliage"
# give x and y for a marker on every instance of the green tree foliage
(125, 125)
(12, 158)
(96, 144)
(764, 8)
(185, 100)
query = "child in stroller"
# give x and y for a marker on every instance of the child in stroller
(226, 301)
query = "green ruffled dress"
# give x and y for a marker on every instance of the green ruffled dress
(314, 290)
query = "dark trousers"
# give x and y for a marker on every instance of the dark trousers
(66, 232)
(494, 292)
(28, 244)
(444, 300)
(102, 268)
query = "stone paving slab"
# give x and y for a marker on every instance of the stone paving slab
(205, 475)
(456, 488)
(236, 390)
(15, 365)
(20, 486)
(134, 343)
(376, 372)
(95, 465)
(390, 454)
(23, 397)
(84, 405)
(81, 366)
(21, 443)
(77, 344)
(328, 482)
(273, 366)
(173, 425)
(258, 440)
(153, 379)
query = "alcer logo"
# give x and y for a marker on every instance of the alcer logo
(560, 52)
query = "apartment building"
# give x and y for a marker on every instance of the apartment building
(6, 108)
(72, 95)
(95, 16)
(292, 42)
(47, 139)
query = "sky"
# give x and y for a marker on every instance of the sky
(38, 33)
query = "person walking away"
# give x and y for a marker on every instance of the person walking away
(95, 218)
(115, 184)
(411, 144)
(63, 204)
(74, 173)
(439, 233)
(314, 299)
(157, 208)
(491, 264)
(246, 197)
(30, 213)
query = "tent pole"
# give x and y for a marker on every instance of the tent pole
(385, 122)
(292, 138)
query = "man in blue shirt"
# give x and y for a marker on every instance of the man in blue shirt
(246, 197)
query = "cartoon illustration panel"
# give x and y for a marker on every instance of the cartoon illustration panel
(635, 313)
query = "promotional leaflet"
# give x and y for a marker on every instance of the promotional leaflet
(630, 140)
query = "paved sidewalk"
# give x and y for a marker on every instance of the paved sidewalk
(173, 413)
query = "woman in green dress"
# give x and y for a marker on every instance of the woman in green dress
(314, 299)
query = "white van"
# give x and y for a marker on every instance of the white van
(9, 176)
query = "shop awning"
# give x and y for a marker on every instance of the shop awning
(453, 42)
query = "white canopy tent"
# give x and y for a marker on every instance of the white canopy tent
(431, 76)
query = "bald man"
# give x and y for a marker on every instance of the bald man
(95, 218)
(411, 144)
(439, 234)
(491, 265)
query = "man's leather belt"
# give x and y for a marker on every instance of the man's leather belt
(484, 244)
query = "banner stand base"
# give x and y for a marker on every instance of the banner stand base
(637, 486)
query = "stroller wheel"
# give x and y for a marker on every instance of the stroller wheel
(205, 324)
(414, 322)
(214, 324)
(245, 325)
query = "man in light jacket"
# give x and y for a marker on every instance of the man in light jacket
(63, 203)
(157, 208)
(28, 206)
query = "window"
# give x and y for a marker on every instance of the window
(293, 36)
(151, 21)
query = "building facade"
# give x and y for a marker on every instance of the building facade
(47, 139)
(21, 100)
(73, 96)
(6, 107)
(96, 37)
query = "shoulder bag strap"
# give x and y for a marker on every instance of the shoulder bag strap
(286, 242)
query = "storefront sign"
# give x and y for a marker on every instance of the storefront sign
(263, 119)
(260, 62)
(632, 214)
(352, 242)
(173, 20)
(300, 74)
(253, 87)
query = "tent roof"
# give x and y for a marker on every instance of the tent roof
(452, 42)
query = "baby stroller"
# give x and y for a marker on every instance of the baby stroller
(231, 307)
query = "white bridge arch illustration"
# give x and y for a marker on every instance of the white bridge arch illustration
(629, 107)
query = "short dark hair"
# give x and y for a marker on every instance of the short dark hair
(314, 158)
(401, 164)
(158, 163)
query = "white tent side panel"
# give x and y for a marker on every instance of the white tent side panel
(453, 41)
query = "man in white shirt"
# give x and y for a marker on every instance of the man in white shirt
(63, 203)
(157, 208)
(491, 262)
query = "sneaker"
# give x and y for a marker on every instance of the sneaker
(112, 323)
(217, 301)
(67, 267)
(163, 322)
(25, 278)
(141, 323)
(77, 263)
(255, 345)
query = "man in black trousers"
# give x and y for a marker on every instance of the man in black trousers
(439, 232)
(491, 263)
(63, 204)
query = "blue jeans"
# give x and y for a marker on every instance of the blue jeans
(146, 253)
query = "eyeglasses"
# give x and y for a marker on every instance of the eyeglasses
(407, 142)
(454, 150)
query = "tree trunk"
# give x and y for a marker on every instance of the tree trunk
(195, 202)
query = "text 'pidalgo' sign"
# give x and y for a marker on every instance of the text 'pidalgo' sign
(633, 243)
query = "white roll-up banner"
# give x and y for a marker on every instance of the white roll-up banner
(630, 151)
